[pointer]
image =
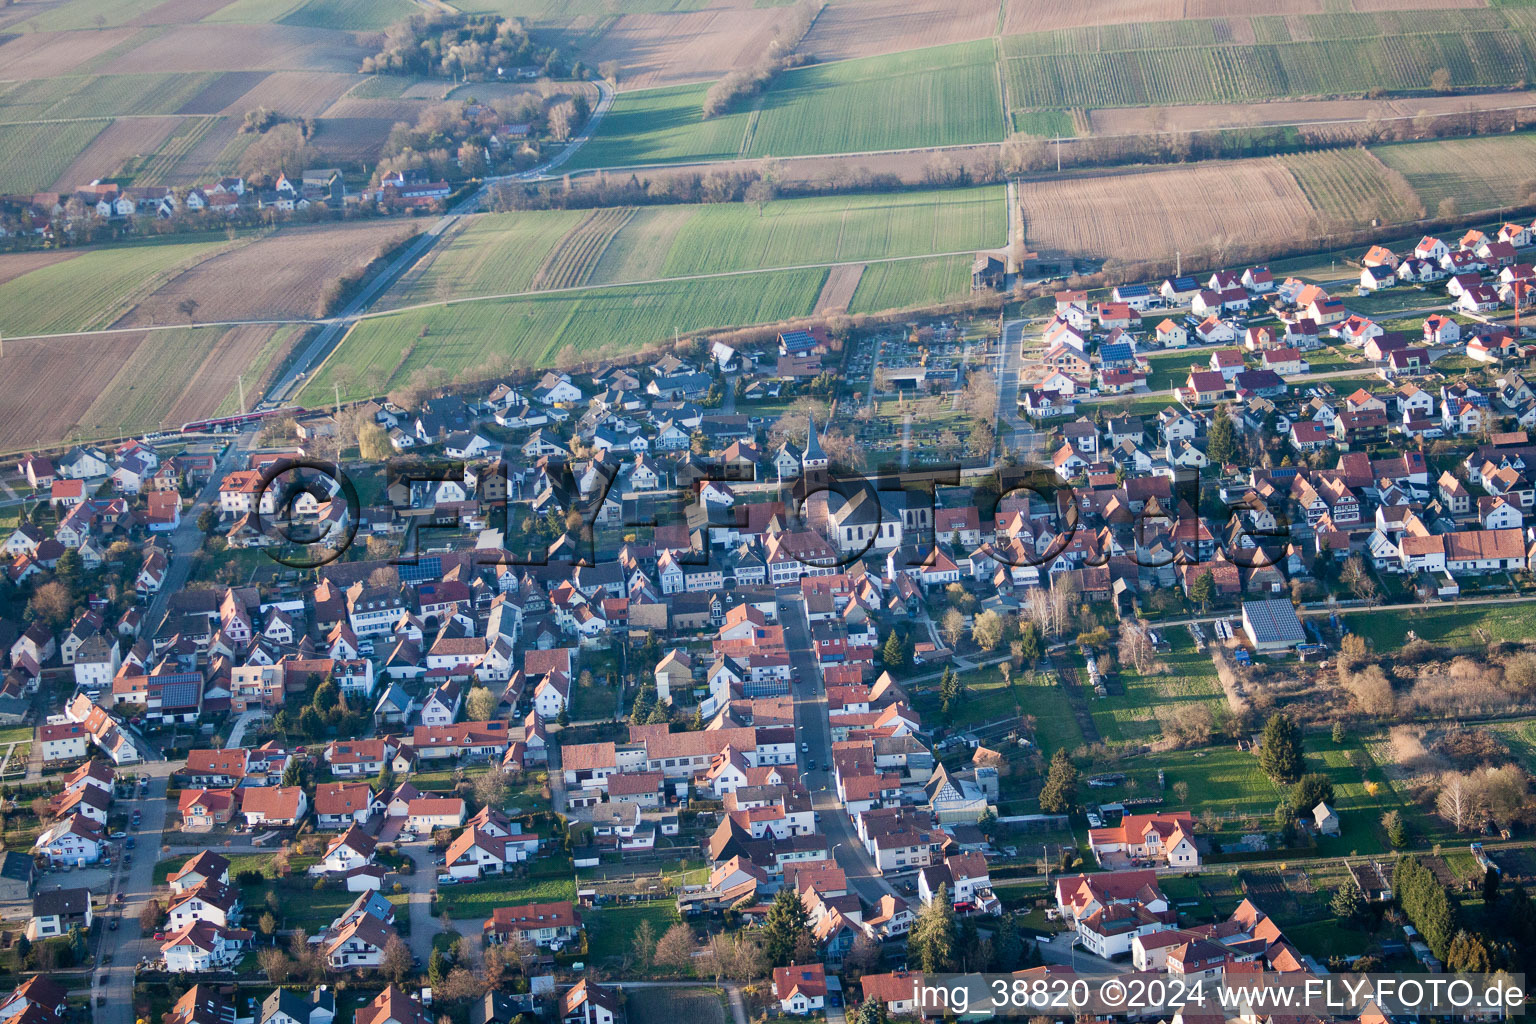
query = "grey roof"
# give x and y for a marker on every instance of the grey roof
(1274, 621)
(16, 866)
(61, 902)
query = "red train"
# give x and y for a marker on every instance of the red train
(220, 424)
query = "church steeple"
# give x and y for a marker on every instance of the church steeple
(813, 457)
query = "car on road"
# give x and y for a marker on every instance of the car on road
(130, 842)
(122, 897)
(810, 764)
(805, 748)
(112, 924)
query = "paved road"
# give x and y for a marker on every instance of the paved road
(813, 728)
(187, 538)
(129, 944)
(1027, 442)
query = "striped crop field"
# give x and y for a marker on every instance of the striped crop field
(33, 155)
(493, 254)
(101, 285)
(1479, 174)
(571, 262)
(556, 329)
(1352, 186)
(504, 253)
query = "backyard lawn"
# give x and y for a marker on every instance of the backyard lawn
(987, 698)
(611, 928)
(1138, 715)
(479, 899)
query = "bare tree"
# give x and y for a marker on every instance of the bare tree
(1135, 646)
(1458, 800)
(676, 947)
(395, 963)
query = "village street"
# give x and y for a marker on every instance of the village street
(814, 728)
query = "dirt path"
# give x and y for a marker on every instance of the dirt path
(837, 292)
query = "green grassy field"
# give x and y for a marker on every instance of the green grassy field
(100, 283)
(943, 95)
(541, 330)
(479, 899)
(911, 283)
(1455, 626)
(32, 156)
(1196, 61)
(836, 228)
(98, 96)
(351, 15)
(611, 928)
(1137, 715)
(498, 254)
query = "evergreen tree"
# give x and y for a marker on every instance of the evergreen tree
(1310, 790)
(1280, 750)
(1010, 949)
(786, 927)
(1203, 589)
(645, 702)
(1348, 903)
(437, 968)
(894, 652)
(293, 775)
(1222, 443)
(1029, 642)
(949, 689)
(931, 943)
(1059, 795)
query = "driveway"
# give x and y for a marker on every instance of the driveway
(814, 729)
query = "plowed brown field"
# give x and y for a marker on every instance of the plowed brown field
(691, 46)
(871, 27)
(1152, 213)
(281, 276)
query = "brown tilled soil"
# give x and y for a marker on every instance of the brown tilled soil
(353, 139)
(120, 140)
(46, 54)
(690, 46)
(1136, 120)
(15, 264)
(1153, 212)
(281, 276)
(215, 376)
(1043, 15)
(179, 12)
(837, 291)
(872, 27)
(295, 93)
(70, 371)
(216, 46)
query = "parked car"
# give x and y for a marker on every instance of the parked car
(447, 880)
(119, 835)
